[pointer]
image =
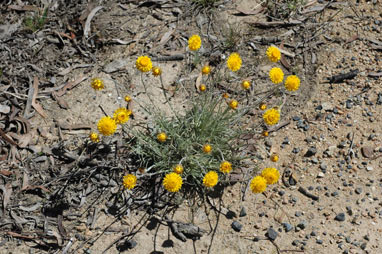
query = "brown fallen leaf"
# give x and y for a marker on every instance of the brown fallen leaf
(35, 104)
(4, 137)
(23, 8)
(32, 187)
(70, 85)
(5, 172)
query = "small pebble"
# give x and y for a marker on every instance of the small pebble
(271, 234)
(340, 217)
(236, 226)
(358, 190)
(288, 227)
(243, 212)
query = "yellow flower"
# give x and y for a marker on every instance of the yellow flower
(258, 184)
(265, 133)
(207, 148)
(210, 179)
(246, 84)
(156, 71)
(202, 87)
(234, 62)
(129, 181)
(97, 84)
(292, 83)
(271, 116)
(161, 137)
(106, 126)
(271, 175)
(121, 115)
(263, 106)
(194, 42)
(276, 75)
(225, 95)
(225, 167)
(178, 169)
(94, 137)
(274, 157)
(233, 104)
(206, 70)
(127, 98)
(144, 63)
(172, 182)
(273, 54)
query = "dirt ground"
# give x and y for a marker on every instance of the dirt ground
(331, 144)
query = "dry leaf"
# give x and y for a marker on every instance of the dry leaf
(35, 104)
(5, 172)
(7, 192)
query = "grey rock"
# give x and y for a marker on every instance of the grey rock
(271, 234)
(358, 190)
(319, 241)
(367, 151)
(243, 212)
(340, 217)
(311, 151)
(288, 227)
(236, 226)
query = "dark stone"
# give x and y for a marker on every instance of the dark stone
(340, 217)
(358, 190)
(296, 118)
(271, 234)
(302, 224)
(295, 242)
(298, 214)
(126, 245)
(311, 151)
(367, 151)
(236, 226)
(319, 241)
(288, 227)
(243, 212)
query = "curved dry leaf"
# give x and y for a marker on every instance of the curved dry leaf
(7, 192)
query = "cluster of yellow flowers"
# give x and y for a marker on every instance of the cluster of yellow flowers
(268, 176)
(108, 125)
(276, 75)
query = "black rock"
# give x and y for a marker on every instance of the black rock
(340, 217)
(311, 151)
(236, 226)
(126, 245)
(302, 224)
(319, 241)
(271, 234)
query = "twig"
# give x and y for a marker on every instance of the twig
(306, 193)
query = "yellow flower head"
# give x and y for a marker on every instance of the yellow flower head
(225, 95)
(246, 84)
(225, 167)
(127, 98)
(207, 148)
(233, 104)
(121, 115)
(156, 71)
(258, 184)
(273, 54)
(263, 106)
(172, 182)
(234, 62)
(178, 169)
(271, 175)
(292, 83)
(276, 75)
(161, 137)
(271, 116)
(129, 181)
(144, 63)
(274, 157)
(97, 84)
(94, 137)
(107, 126)
(206, 70)
(202, 87)
(194, 42)
(210, 179)
(265, 133)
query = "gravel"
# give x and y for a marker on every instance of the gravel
(236, 226)
(271, 234)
